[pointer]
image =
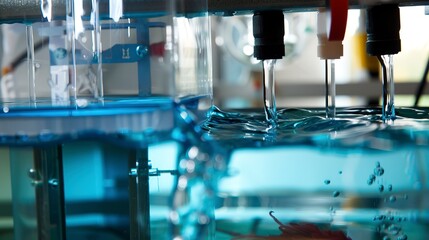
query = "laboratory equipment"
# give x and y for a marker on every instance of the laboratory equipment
(269, 46)
(314, 174)
(98, 88)
(331, 27)
(111, 134)
(383, 25)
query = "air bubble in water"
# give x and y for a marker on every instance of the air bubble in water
(336, 194)
(327, 181)
(371, 179)
(379, 218)
(392, 199)
(378, 171)
(381, 188)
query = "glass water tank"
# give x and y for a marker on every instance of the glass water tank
(98, 100)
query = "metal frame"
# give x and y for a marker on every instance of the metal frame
(24, 11)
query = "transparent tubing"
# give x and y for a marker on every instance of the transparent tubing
(97, 49)
(71, 45)
(330, 88)
(76, 28)
(31, 67)
(269, 92)
(388, 94)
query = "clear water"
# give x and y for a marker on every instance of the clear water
(103, 138)
(355, 173)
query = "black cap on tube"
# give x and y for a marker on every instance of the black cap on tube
(382, 25)
(269, 30)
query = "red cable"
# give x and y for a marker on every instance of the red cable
(337, 19)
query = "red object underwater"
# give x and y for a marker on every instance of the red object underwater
(296, 231)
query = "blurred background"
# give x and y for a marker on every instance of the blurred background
(300, 75)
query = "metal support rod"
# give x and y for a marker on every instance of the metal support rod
(143, 66)
(50, 193)
(25, 11)
(139, 195)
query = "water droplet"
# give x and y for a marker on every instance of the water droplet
(381, 188)
(193, 152)
(182, 183)
(390, 187)
(336, 194)
(378, 171)
(33, 174)
(190, 166)
(203, 219)
(327, 181)
(53, 182)
(340, 172)
(392, 199)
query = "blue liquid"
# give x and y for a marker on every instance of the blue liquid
(119, 128)
(284, 168)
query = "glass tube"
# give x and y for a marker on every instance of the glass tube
(31, 67)
(388, 89)
(330, 88)
(269, 92)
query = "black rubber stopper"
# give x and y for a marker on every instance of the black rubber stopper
(382, 25)
(269, 30)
